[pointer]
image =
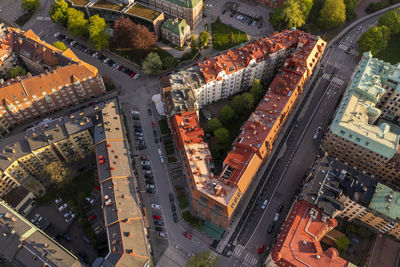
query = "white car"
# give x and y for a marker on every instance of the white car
(137, 75)
(57, 34)
(88, 199)
(135, 112)
(155, 206)
(147, 172)
(67, 214)
(58, 200)
(150, 186)
(159, 151)
(162, 159)
(67, 220)
(276, 217)
(264, 205)
(162, 234)
(63, 207)
(145, 162)
(317, 133)
(35, 218)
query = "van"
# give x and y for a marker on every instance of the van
(264, 205)
(86, 239)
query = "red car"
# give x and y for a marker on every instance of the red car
(187, 235)
(97, 187)
(91, 218)
(153, 125)
(157, 217)
(260, 249)
(133, 74)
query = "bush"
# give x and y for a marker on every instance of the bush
(183, 203)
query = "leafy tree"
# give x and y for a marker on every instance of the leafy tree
(305, 7)
(58, 173)
(222, 135)
(60, 45)
(15, 72)
(350, 9)
(342, 243)
(332, 14)
(391, 20)
(58, 11)
(76, 22)
(30, 6)
(277, 17)
(98, 36)
(193, 43)
(257, 90)
(213, 125)
(152, 63)
(228, 113)
(123, 31)
(375, 39)
(218, 20)
(292, 14)
(169, 62)
(142, 38)
(204, 37)
(202, 260)
(242, 103)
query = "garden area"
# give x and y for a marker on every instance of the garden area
(192, 220)
(163, 124)
(225, 36)
(169, 147)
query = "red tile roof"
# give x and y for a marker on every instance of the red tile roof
(299, 242)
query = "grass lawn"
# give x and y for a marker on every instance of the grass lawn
(221, 36)
(392, 52)
(144, 12)
(192, 220)
(164, 127)
(183, 203)
(23, 19)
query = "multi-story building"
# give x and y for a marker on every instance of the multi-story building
(56, 80)
(176, 32)
(341, 190)
(299, 244)
(215, 197)
(363, 132)
(270, 3)
(123, 218)
(23, 244)
(190, 10)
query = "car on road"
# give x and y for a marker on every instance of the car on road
(67, 214)
(35, 218)
(270, 228)
(90, 200)
(171, 197)
(155, 206)
(173, 207)
(150, 186)
(280, 208)
(148, 176)
(149, 182)
(135, 112)
(138, 133)
(149, 112)
(317, 133)
(158, 222)
(264, 204)
(187, 235)
(91, 218)
(276, 217)
(162, 159)
(162, 234)
(260, 249)
(157, 217)
(57, 200)
(150, 191)
(145, 162)
(259, 200)
(175, 217)
(145, 167)
(158, 228)
(147, 172)
(63, 207)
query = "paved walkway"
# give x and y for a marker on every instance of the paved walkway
(360, 9)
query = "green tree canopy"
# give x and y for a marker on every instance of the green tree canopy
(98, 36)
(76, 22)
(305, 7)
(58, 173)
(257, 90)
(16, 71)
(202, 260)
(58, 11)
(152, 63)
(350, 8)
(342, 243)
(193, 43)
(375, 39)
(228, 114)
(30, 6)
(292, 14)
(243, 103)
(169, 62)
(60, 45)
(213, 125)
(204, 38)
(391, 20)
(332, 14)
(222, 135)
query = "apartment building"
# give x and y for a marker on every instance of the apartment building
(299, 244)
(340, 190)
(23, 244)
(175, 31)
(364, 130)
(190, 10)
(55, 80)
(215, 196)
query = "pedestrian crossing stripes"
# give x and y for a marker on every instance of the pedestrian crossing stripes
(354, 52)
(43, 18)
(238, 251)
(213, 255)
(326, 76)
(342, 46)
(337, 81)
(249, 259)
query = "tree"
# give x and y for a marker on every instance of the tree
(98, 36)
(242, 103)
(142, 38)
(222, 135)
(76, 22)
(30, 6)
(204, 38)
(15, 72)
(375, 39)
(202, 260)
(123, 31)
(58, 11)
(276, 17)
(342, 243)
(391, 20)
(58, 173)
(305, 7)
(332, 14)
(213, 125)
(169, 62)
(60, 45)
(257, 90)
(193, 43)
(152, 63)
(292, 14)
(228, 113)
(350, 9)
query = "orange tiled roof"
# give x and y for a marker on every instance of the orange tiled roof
(299, 242)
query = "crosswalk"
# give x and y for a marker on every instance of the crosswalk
(337, 81)
(351, 51)
(43, 18)
(213, 255)
(343, 47)
(326, 76)
(249, 259)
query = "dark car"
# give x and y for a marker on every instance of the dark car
(158, 222)
(158, 228)
(223, 11)
(259, 200)
(173, 207)
(148, 176)
(148, 181)
(101, 57)
(144, 167)
(270, 228)
(150, 191)
(82, 254)
(280, 208)
(175, 217)
(110, 63)
(67, 237)
(171, 197)
(149, 112)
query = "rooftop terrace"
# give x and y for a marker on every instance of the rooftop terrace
(109, 5)
(143, 12)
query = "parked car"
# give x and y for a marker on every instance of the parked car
(158, 222)
(159, 152)
(63, 207)
(147, 172)
(162, 234)
(82, 254)
(90, 200)
(91, 218)
(69, 219)
(158, 228)
(161, 159)
(150, 191)
(173, 207)
(157, 217)
(259, 200)
(149, 182)
(150, 186)
(264, 205)
(148, 176)
(57, 34)
(87, 240)
(280, 208)
(139, 138)
(143, 157)
(260, 249)
(155, 206)
(67, 214)
(35, 217)
(270, 228)
(138, 133)
(57, 200)
(141, 143)
(67, 237)
(145, 167)
(276, 217)
(171, 197)
(175, 217)
(149, 112)
(145, 162)
(317, 133)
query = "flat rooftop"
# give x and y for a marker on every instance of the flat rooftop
(109, 5)
(386, 201)
(299, 241)
(142, 11)
(79, 2)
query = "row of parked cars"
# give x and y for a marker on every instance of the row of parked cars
(158, 221)
(62, 207)
(243, 18)
(148, 174)
(97, 55)
(138, 130)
